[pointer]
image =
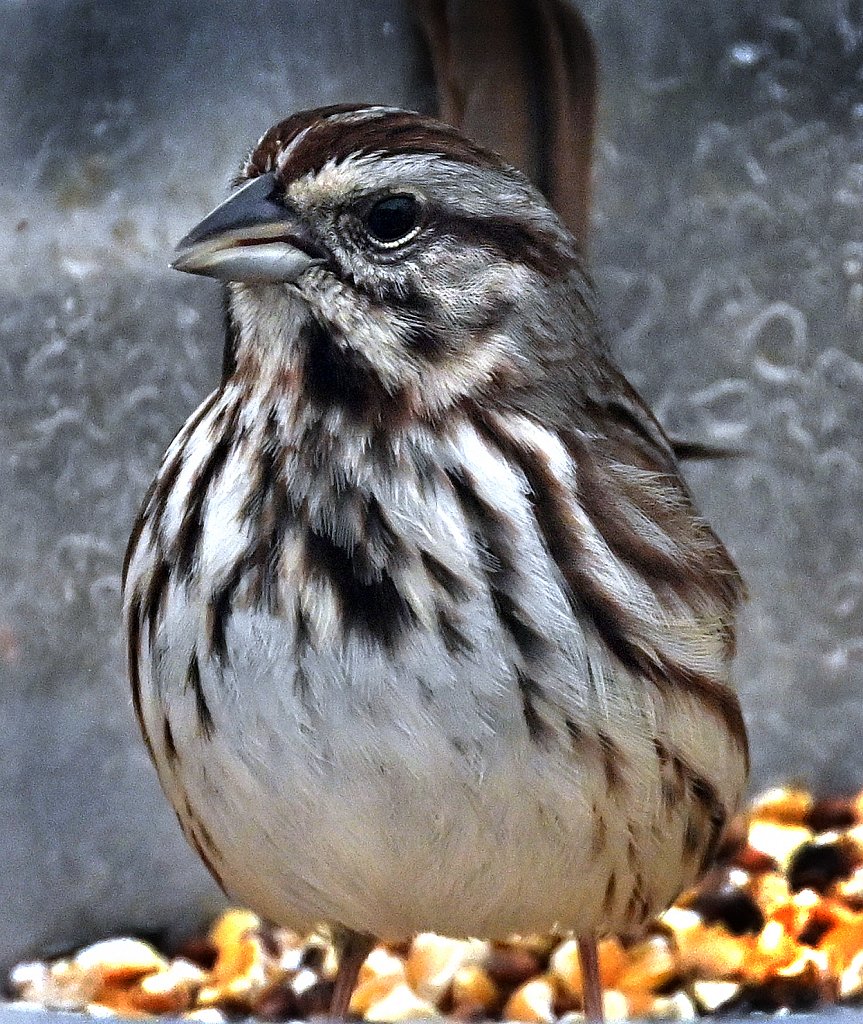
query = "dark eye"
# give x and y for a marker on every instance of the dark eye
(393, 220)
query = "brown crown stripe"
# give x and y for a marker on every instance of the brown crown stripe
(619, 629)
(330, 137)
(278, 137)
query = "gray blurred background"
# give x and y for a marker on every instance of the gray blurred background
(728, 250)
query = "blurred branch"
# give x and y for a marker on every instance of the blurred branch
(519, 76)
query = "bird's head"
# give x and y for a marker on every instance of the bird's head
(397, 250)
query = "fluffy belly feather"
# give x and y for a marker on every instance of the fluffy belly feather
(395, 716)
(394, 803)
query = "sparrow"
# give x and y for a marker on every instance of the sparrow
(424, 630)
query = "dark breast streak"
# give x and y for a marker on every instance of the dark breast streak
(354, 551)
(614, 623)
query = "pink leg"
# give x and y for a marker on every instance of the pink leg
(588, 958)
(353, 948)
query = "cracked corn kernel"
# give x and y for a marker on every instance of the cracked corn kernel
(434, 960)
(172, 990)
(61, 986)
(615, 1005)
(674, 1007)
(786, 805)
(771, 891)
(650, 966)
(711, 996)
(776, 840)
(206, 1015)
(243, 970)
(532, 1002)
(712, 953)
(851, 978)
(401, 1003)
(564, 966)
(116, 961)
(379, 975)
(472, 987)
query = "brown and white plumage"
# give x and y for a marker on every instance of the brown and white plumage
(424, 631)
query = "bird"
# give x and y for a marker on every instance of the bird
(424, 629)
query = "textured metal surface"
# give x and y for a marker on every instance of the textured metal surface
(728, 250)
(124, 123)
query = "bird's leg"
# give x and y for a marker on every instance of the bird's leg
(353, 948)
(591, 986)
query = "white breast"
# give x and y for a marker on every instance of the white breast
(401, 790)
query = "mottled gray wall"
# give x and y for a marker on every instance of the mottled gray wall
(729, 254)
(122, 123)
(729, 251)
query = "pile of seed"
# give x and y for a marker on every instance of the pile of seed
(777, 923)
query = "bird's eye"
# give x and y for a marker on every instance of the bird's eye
(393, 220)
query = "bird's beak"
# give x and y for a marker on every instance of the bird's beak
(252, 236)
